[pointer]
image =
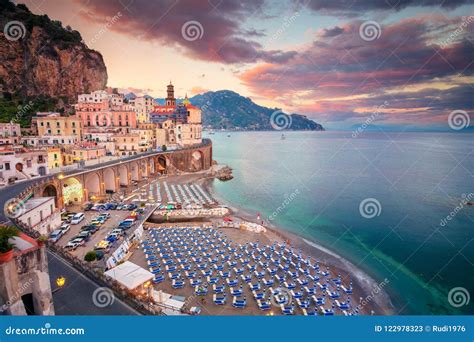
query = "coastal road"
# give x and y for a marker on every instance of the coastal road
(76, 297)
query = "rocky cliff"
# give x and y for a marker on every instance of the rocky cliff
(40, 57)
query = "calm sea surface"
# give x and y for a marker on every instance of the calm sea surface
(313, 183)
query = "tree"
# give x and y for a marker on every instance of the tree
(90, 256)
(163, 148)
(6, 233)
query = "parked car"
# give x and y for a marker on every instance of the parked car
(55, 235)
(122, 206)
(118, 231)
(65, 228)
(125, 225)
(99, 254)
(140, 210)
(103, 245)
(77, 218)
(132, 206)
(99, 207)
(105, 215)
(88, 206)
(96, 222)
(112, 237)
(74, 243)
(85, 234)
(110, 206)
(90, 228)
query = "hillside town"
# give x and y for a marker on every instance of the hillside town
(106, 126)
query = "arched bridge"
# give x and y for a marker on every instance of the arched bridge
(79, 186)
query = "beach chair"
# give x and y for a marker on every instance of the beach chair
(239, 303)
(258, 295)
(263, 305)
(308, 312)
(287, 309)
(177, 284)
(236, 291)
(221, 300)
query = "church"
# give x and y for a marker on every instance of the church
(180, 122)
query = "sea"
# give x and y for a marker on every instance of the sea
(395, 204)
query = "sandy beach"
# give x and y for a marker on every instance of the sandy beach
(368, 296)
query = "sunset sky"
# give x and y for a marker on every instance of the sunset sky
(409, 68)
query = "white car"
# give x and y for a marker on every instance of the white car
(73, 244)
(55, 235)
(65, 228)
(77, 218)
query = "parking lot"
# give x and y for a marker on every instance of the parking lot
(116, 216)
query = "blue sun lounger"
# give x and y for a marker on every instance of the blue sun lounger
(258, 295)
(236, 292)
(310, 290)
(254, 287)
(303, 304)
(177, 284)
(269, 282)
(307, 312)
(218, 288)
(200, 290)
(263, 305)
(158, 278)
(232, 282)
(239, 303)
(318, 300)
(221, 300)
(287, 309)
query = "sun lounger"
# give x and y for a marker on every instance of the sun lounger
(239, 303)
(263, 305)
(221, 300)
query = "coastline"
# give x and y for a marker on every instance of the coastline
(373, 295)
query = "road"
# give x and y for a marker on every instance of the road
(76, 297)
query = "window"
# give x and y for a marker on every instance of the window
(7, 166)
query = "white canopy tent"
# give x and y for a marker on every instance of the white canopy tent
(130, 275)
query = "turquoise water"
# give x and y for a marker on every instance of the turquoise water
(312, 184)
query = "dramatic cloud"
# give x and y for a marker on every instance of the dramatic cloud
(360, 7)
(342, 67)
(214, 29)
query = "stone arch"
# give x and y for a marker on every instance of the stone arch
(135, 171)
(161, 164)
(92, 184)
(19, 167)
(123, 175)
(110, 182)
(50, 190)
(73, 191)
(197, 161)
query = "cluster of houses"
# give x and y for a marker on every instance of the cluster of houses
(106, 125)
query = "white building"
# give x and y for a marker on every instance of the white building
(10, 133)
(95, 97)
(40, 214)
(50, 140)
(143, 106)
(22, 164)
